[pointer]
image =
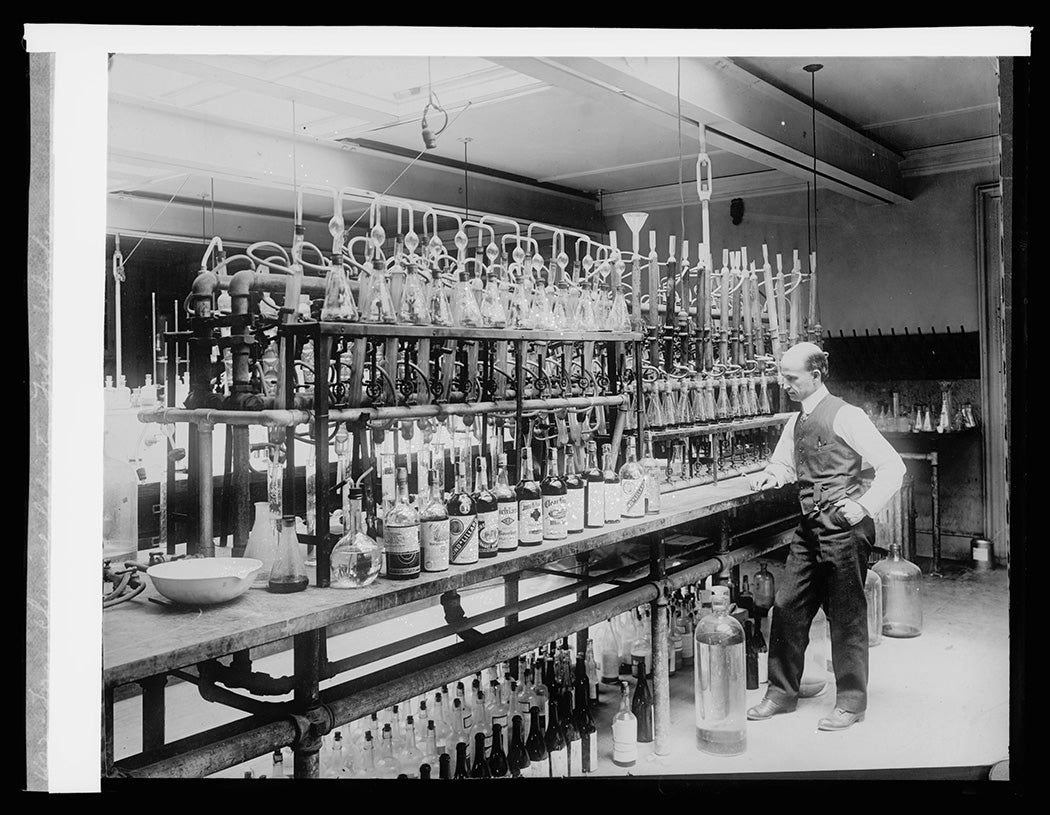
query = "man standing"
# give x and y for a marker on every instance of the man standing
(821, 448)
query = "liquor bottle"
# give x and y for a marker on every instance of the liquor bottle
(588, 744)
(571, 734)
(575, 493)
(288, 573)
(746, 600)
(444, 766)
(401, 534)
(632, 486)
(719, 680)
(411, 756)
(442, 724)
(554, 738)
(641, 645)
(642, 706)
(480, 767)
(498, 764)
(434, 528)
(530, 502)
(462, 521)
(536, 746)
(555, 501)
(464, 722)
(386, 766)
(594, 485)
(542, 695)
(499, 712)
(750, 656)
(652, 477)
(593, 678)
(487, 509)
(507, 502)
(364, 765)
(482, 724)
(517, 755)
(461, 761)
(625, 732)
(430, 747)
(613, 492)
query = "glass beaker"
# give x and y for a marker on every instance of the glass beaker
(288, 573)
(720, 680)
(901, 594)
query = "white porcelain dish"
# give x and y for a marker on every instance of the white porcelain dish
(204, 581)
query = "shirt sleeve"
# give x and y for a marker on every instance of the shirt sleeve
(782, 463)
(854, 427)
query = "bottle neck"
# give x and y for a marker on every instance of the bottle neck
(525, 468)
(501, 475)
(592, 459)
(461, 476)
(552, 464)
(481, 477)
(402, 488)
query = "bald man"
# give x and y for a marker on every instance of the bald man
(822, 449)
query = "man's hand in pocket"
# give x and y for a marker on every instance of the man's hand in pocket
(852, 511)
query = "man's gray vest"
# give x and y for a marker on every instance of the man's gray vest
(825, 466)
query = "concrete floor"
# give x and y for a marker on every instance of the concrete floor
(936, 701)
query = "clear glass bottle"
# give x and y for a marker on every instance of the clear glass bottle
(487, 509)
(262, 543)
(594, 490)
(434, 528)
(593, 674)
(873, 594)
(482, 721)
(632, 485)
(355, 559)
(575, 493)
(652, 477)
(410, 756)
(613, 492)
(901, 594)
(492, 312)
(288, 573)
(386, 765)
(507, 507)
(541, 693)
(530, 502)
(554, 500)
(719, 675)
(462, 521)
(625, 732)
(401, 545)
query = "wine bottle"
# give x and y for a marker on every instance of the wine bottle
(487, 509)
(530, 502)
(762, 652)
(554, 738)
(480, 767)
(541, 693)
(462, 521)
(411, 756)
(434, 528)
(498, 764)
(575, 493)
(594, 494)
(444, 766)
(424, 771)
(750, 656)
(461, 761)
(536, 746)
(507, 502)
(745, 599)
(588, 734)
(642, 705)
(632, 486)
(571, 734)
(555, 501)
(401, 546)
(517, 754)
(625, 732)
(593, 677)
(482, 723)
(613, 492)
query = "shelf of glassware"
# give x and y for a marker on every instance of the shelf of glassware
(736, 425)
(457, 332)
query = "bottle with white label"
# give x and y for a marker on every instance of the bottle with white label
(487, 509)
(652, 477)
(462, 521)
(530, 502)
(555, 501)
(507, 504)
(434, 528)
(575, 493)
(401, 534)
(632, 486)
(594, 490)
(625, 732)
(613, 493)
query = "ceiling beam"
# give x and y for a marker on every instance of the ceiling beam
(668, 196)
(742, 114)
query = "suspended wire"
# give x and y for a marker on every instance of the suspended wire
(813, 107)
(681, 185)
(150, 229)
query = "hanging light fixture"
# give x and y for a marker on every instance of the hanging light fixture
(815, 327)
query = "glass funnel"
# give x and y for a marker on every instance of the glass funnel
(901, 594)
(339, 303)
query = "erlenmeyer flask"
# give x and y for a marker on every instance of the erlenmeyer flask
(764, 408)
(492, 313)
(684, 416)
(518, 305)
(379, 307)
(288, 574)
(617, 318)
(540, 314)
(440, 308)
(631, 422)
(465, 311)
(584, 318)
(723, 411)
(414, 307)
(560, 308)
(669, 404)
(654, 416)
(262, 543)
(339, 303)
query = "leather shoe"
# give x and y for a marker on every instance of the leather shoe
(767, 709)
(840, 719)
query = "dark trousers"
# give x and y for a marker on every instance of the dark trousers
(826, 565)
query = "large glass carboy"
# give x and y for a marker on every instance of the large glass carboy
(720, 680)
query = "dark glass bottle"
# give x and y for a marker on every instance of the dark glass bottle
(444, 766)
(462, 521)
(575, 493)
(555, 501)
(488, 511)
(594, 490)
(750, 655)
(536, 746)
(424, 772)
(507, 500)
(588, 733)
(461, 761)
(571, 734)
(530, 502)
(554, 738)
(480, 769)
(642, 705)
(580, 680)
(498, 764)
(517, 754)
(745, 599)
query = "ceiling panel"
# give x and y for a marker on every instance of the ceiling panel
(129, 77)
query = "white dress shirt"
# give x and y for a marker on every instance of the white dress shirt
(853, 426)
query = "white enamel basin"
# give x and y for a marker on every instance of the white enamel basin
(204, 581)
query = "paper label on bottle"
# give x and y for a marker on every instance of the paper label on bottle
(625, 740)
(555, 517)
(558, 762)
(488, 532)
(501, 720)
(434, 536)
(575, 508)
(508, 526)
(595, 504)
(613, 501)
(575, 758)
(463, 539)
(652, 491)
(633, 492)
(589, 752)
(530, 520)
(402, 551)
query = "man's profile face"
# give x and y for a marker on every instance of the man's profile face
(797, 381)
